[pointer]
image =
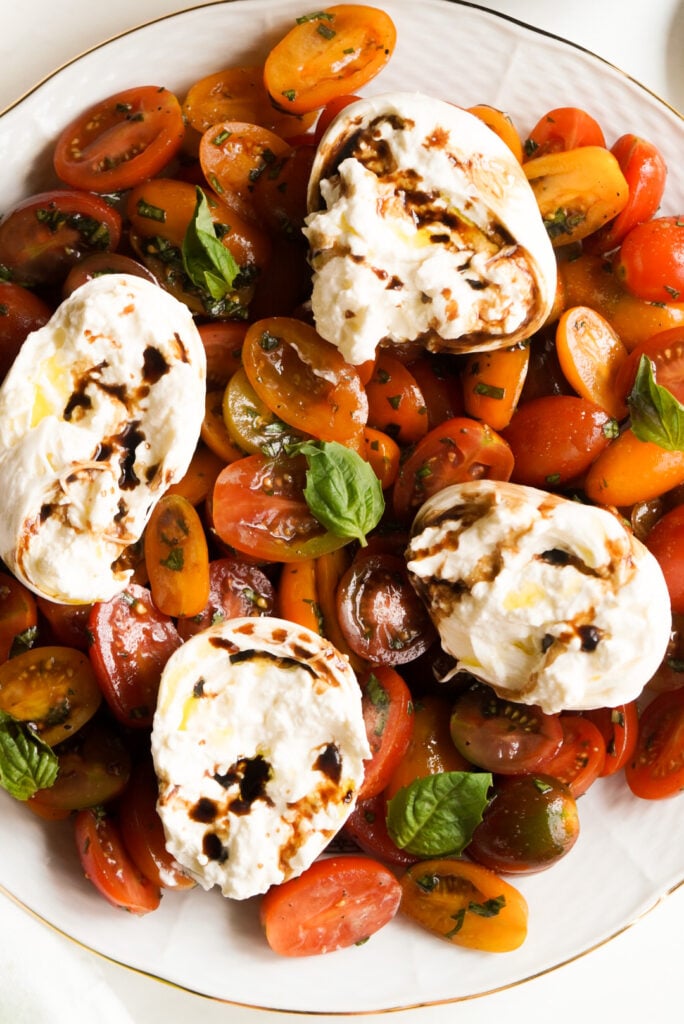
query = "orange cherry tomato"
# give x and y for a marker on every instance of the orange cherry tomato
(383, 453)
(330, 112)
(395, 402)
(388, 716)
(629, 470)
(327, 54)
(18, 613)
(493, 382)
(502, 125)
(591, 356)
(200, 476)
(337, 902)
(561, 129)
(465, 903)
(234, 155)
(581, 757)
(108, 865)
(298, 595)
(120, 141)
(655, 770)
(279, 196)
(441, 386)
(213, 430)
(431, 749)
(176, 557)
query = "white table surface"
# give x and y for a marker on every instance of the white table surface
(44, 978)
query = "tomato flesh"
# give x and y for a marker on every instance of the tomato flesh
(656, 768)
(108, 866)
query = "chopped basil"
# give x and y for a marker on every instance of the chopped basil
(436, 816)
(315, 16)
(150, 211)
(23, 641)
(656, 415)
(26, 763)
(489, 390)
(174, 560)
(207, 262)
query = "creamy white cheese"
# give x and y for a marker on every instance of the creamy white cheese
(99, 414)
(423, 227)
(550, 601)
(258, 742)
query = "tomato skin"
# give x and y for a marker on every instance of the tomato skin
(561, 129)
(458, 450)
(395, 402)
(650, 261)
(619, 727)
(591, 355)
(501, 736)
(388, 716)
(46, 234)
(20, 313)
(132, 641)
(656, 769)
(93, 768)
(581, 757)
(177, 557)
(108, 866)
(493, 383)
(466, 904)
(629, 470)
(530, 823)
(233, 153)
(337, 902)
(329, 54)
(120, 141)
(555, 439)
(666, 542)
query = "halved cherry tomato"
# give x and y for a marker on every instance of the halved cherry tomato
(581, 757)
(458, 450)
(388, 715)
(132, 641)
(177, 557)
(367, 827)
(430, 749)
(98, 263)
(120, 141)
(327, 54)
(379, 612)
(20, 313)
(591, 355)
(645, 172)
(501, 736)
(561, 129)
(665, 351)
(67, 624)
(142, 831)
(251, 424)
(493, 382)
(214, 432)
(544, 375)
(53, 689)
(298, 595)
(502, 125)
(330, 567)
(619, 727)
(666, 543)
(383, 453)
(555, 439)
(236, 588)
(222, 341)
(109, 867)
(259, 509)
(337, 902)
(629, 470)
(46, 234)
(530, 823)
(234, 154)
(200, 476)
(650, 260)
(279, 195)
(395, 402)
(656, 769)
(465, 904)
(330, 112)
(441, 386)
(18, 613)
(239, 94)
(577, 191)
(304, 380)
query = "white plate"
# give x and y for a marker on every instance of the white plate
(630, 853)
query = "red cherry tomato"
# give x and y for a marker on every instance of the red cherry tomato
(94, 768)
(236, 588)
(20, 313)
(18, 613)
(665, 350)
(666, 543)
(650, 261)
(395, 402)
(656, 769)
(337, 902)
(619, 727)
(367, 827)
(561, 129)
(120, 141)
(388, 716)
(581, 756)
(132, 642)
(108, 866)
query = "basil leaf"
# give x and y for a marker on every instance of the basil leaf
(26, 763)
(437, 815)
(656, 415)
(207, 262)
(342, 491)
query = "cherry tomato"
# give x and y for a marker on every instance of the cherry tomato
(214, 432)
(328, 54)
(395, 402)
(561, 129)
(367, 827)
(20, 313)
(380, 614)
(388, 715)
(665, 352)
(493, 382)
(258, 508)
(304, 380)
(666, 542)
(629, 470)
(251, 424)
(650, 260)
(384, 455)
(235, 154)
(298, 595)
(132, 641)
(591, 355)
(430, 749)
(45, 235)
(236, 588)
(142, 831)
(120, 141)
(440, 385)
(619, 727)
(108, 866)
(580, 759)
(501, 736)
(502, 125)
(177, 557)
(555, 439)
(645, 172)
(279, 196)
(330, 112)
(530, 823)
(53, 689)
(18, 613)
(458, 450)
(199, 479)
(337, 902)
(222, 341)
(656, 769)
(465, 904)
